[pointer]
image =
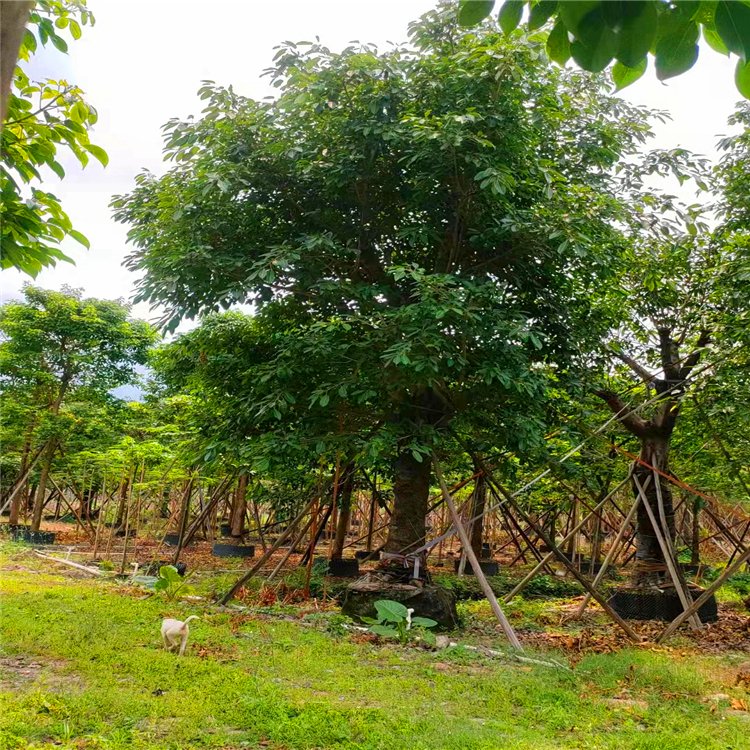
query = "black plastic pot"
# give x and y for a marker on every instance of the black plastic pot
(124, 532)
(233, 550)
(25, 534)
(225, 529)
(172, 539)
(652, 604)
(488, 567)
(342, 567)
(363, 555)
(486, 551)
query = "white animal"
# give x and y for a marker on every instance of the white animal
(175, 632)
(409, 613)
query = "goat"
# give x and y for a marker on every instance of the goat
(176, 631)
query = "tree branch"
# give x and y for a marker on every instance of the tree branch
(632, 422)
(638, 369)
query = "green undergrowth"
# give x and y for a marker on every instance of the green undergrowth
(81, 666)
(541, 586)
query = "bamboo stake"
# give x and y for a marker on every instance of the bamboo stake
(267, 554)
(521, 585)
(730, 570)
(564, 560)
(478, 572)
(685, 599)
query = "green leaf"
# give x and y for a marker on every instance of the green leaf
(558, 44)
(98, 153)
(541, 12)
(733, 26)
(742, 78)
(56, 167)
(637, 31)
(714, 41)
(596, 43)
(59, 42)
(676, 45)
(574, 12)
(423, 622)
(623, 76)
(472, 12)
(75, 29)
(169, 573)
(390, 611)
(78, 237)
(384, 630)
(510, 15)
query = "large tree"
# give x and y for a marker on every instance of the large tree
(423, 232)
(56, 348)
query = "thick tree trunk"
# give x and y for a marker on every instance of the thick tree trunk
(41, 490)
(650, 567)
(13, 17)
(239, 507)
(345, 511)
(411, 488)
(478, 502)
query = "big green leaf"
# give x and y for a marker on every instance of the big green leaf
(472, 12)
(733, 26)
(510, 15)
(423, 622)
(558, 44)
(390, 611)
(637, 32)
(742, 78)
(541, 12)
(384, 630)
(676, 45)
(623, 76)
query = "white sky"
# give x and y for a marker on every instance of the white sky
(143, 62)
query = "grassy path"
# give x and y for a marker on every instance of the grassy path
(81, 666)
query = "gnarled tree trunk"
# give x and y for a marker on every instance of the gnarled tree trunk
(239, 507)
(650, 567)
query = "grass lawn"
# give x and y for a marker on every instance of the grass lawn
(81, 666)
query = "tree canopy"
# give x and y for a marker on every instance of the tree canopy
(426, 232)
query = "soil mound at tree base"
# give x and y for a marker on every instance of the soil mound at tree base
(428, 600)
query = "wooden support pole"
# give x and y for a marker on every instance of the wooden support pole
(666, 551)
(288, 553)
(267, 554)
(612, 553)
(184, 514)
(478, 572)
(730, 570)
(521, 585)
(564, 560)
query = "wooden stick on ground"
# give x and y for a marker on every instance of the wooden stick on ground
(478, 572)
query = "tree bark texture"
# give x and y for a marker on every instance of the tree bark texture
(411, 489)
(345, 511)
(239, 507)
